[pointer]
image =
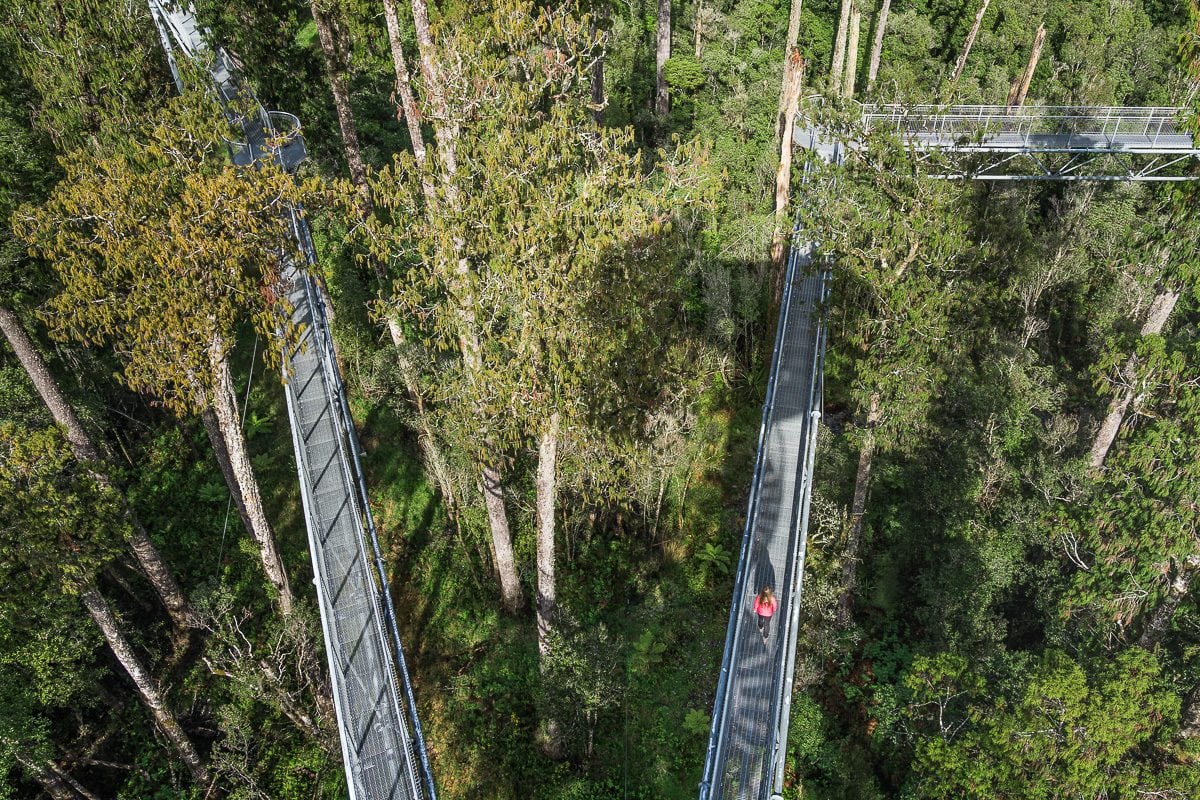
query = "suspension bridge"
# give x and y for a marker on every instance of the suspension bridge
(747, 745)
(382, 743)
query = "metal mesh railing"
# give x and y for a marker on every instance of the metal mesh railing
(1155, 127)
(751, 707)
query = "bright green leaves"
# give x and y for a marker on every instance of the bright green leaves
(91, 63)
(58, 525)
(899, 241)
(163, 249)
(1138, 523)
(1063, 734)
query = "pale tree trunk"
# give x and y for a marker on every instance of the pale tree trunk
(547, 495)
(147, 687)
(698, 29)
(793, 72)
(502, 549)
(662, 51)
(877, 45)
(244, 485)
(1016, 96)
(445, 129)
(334, 48)
(852, 52)
(406, 103)
(839, 46)
(148, 557)
(51, 782)
(1189, 718)
(793, 37)
(858, 507)
(970, 42)
(435, 460)
(1160, 311)
(547, 602)
(1156, 626)
(65, 777)
(406, 108)
(445, 132)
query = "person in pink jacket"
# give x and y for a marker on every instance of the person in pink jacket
(764, 606)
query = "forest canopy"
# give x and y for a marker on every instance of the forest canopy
(550, 241)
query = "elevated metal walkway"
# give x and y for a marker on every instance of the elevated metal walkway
(1071, 143)
(382, 743)
(747, 743)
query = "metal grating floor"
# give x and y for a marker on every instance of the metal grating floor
(750, 717)
(375, 742)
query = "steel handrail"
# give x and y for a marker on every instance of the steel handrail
(353, 465)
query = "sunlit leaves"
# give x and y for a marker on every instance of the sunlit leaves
(1064, 734)
(550, 243)
(163, 248)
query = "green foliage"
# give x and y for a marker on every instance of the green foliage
(162, 251)
(715, 558)
(683, 73)
(647, 653)
(93, 64)
(1064, 734)
(60, 524)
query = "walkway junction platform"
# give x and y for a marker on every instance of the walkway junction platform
(1061, 143)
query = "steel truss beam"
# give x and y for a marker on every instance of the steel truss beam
(1055, 165)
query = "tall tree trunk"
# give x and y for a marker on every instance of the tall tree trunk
(406, 108)
(858, 507)
(597, 74)
(333, 46)
(1156, 626)
(839, 47)
(1189, 716)
(244, 485)
(793, 38)
(445, 132)
(1016, 96)
(435, 459)
(547, 495)
(877, 45)
(662, 51)
(65, 777)
(793, 72)
(148, 556)
(851, 73)
(51, 782)
(698, 29)
(547, 602)
(970, 42)
(406, 103)
(1160, 311)
(147, 687)
(502, 549)
(445, 129)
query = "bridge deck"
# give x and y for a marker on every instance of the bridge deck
(378, 751)
(381, 738)
(750, 713)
